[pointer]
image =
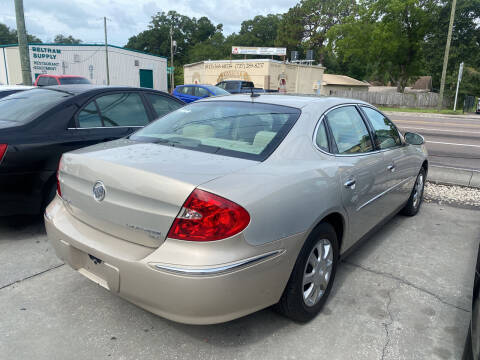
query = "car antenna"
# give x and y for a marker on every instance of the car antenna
(252, 94)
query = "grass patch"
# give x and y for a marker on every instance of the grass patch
(432, 111)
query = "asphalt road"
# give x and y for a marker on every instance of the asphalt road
(452, 141)
(403, 294)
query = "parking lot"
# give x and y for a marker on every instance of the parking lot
(403, 294)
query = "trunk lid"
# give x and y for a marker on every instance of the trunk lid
(145, 186)
(4, 124)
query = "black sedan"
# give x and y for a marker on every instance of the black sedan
(37, 126)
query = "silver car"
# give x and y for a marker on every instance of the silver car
(230, 205)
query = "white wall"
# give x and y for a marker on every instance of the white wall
(89, 61)
(3, 67)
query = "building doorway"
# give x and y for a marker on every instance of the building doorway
(146, 78)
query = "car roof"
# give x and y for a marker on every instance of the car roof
(76, 89)
(296, 101)
(60, 76)
(194, 85)
(15, 87)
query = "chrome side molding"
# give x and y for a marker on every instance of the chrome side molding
(217, 270)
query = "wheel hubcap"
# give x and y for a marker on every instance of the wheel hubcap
(318, 269)
(418, 190)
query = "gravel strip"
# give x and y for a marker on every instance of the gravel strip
(452, 194)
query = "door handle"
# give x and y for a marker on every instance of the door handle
(391, 168)
(350, 184)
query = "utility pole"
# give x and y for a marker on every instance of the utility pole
(445, 57)
(172, 74)
(23, 43)
(460, 72)
(106, 49)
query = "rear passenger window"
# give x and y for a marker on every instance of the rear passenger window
(321, 138)
(122, 109)
(89, 117)
(162, 104)
(349, 131)
(386, 134)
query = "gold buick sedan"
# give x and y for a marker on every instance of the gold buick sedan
(232, 204)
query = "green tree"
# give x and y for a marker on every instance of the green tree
(259, 31)
(9, 36)
(387, 37)
(464, 47)
(305, 26)
(62, 39)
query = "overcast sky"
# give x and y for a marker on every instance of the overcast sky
(83, 18)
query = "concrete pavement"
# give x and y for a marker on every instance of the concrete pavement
(404, 294)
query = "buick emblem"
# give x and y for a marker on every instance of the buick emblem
(99, 191)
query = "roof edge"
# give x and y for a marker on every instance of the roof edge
(89, 44)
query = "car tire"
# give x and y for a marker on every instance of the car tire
(416, 197)
(294, 303)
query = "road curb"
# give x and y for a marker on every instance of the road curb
(468, 116)
(454, 176)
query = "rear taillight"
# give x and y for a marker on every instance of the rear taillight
(3, 150)
(59, 189)
(207, 217)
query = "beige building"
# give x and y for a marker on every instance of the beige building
(265, 73)
(332, 83)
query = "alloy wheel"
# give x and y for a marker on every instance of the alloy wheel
(418, 191)
(318, 270)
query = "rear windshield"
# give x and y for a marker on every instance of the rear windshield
(239, 129)
(217, 91)
(73, 80)
(24, 106)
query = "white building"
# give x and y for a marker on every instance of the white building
(126, 67)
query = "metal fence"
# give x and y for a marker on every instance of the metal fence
(469, 104)
(410, 100)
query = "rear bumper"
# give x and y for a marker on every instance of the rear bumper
(200, 284)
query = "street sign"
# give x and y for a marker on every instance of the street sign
(460, 72)
(245, 50)
(170, 69)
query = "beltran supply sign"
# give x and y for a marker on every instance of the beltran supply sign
(45, 58)
(244, 50)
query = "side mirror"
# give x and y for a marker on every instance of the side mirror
(414, 138)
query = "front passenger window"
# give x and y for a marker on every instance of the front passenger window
(386, 134)
(349, 131)
(42, 81)
(201, 92)
(52, 81)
